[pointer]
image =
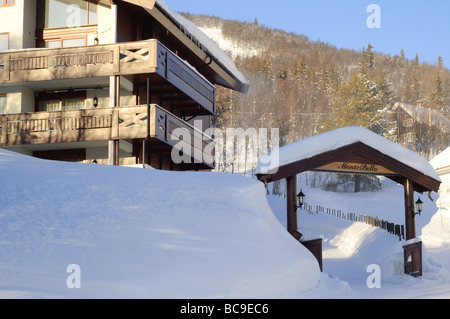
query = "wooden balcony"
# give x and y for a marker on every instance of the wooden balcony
(131, 58)
(121, 123)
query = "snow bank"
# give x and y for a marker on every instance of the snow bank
(338, 138)
(441, 160)
(350, 247)
(139, 233)
(437, 232)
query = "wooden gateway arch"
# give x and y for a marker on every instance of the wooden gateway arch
(359, 151)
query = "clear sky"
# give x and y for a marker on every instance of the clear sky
(416, 26)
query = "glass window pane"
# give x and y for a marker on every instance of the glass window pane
(73, 104)
(2, 104)
(92, 14)
(4, 42)
(74, 42)
(53, 44)
(49, 105)
(9, 1)
(64, 13)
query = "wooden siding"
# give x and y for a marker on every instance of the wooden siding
(140, 57)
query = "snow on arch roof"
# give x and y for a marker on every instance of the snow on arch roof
(442, 160)
(274, 165)
(207, 45)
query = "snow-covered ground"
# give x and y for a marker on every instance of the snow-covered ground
(141, 233)
(138, 233)
(350, 247)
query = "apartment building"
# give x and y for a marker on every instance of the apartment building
(109, 82)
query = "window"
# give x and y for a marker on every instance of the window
(4, 41)
(408, 137)
(7, 3)
(2, 103)
(65, 101)
(408, 123)
(66, 42)
(65, 13)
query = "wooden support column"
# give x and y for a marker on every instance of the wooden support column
(291, 196)
(410, 223)
(149, 100)
(114, 94)
(114, 101)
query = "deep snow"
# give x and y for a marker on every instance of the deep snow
(139, 233)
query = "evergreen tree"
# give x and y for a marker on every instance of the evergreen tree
(368, 58)
(345, 182)
(359, 102)
(437, 96)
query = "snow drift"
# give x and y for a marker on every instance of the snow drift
(139, 233)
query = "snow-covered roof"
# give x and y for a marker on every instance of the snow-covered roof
(335, 139)
(425, 115)
(204, 43)
(442, 160)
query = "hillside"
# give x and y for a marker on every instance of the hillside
(305, 88)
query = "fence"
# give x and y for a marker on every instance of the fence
(392, 228)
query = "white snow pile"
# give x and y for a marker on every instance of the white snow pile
(137, 233)
(335, 139)
(349, 248)
(442, 160)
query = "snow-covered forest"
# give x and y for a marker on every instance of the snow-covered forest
(306, 87)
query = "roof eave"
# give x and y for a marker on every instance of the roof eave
(224, 77)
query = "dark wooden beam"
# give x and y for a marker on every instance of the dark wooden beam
(360, 153)
(410, 223)
(291, 195)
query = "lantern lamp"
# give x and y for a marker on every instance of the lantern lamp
(419, 206)
(301, 199)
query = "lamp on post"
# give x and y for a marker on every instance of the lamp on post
(419, 207)
(301, 199)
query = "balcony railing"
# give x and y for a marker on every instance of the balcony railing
(141, 57)
(103, 124)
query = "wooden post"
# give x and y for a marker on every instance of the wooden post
(149, 100)
(4, 135)
(114, 101)
(410, 224)
(114, 92)
(412, 252)
(117, 99)
(291, 196)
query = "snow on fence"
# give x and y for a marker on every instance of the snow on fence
(392, 228)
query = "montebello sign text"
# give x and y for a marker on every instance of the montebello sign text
(356, 168)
